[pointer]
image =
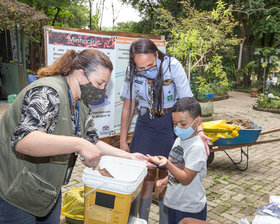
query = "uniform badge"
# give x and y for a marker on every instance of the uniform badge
(170, 98)
(167, 82)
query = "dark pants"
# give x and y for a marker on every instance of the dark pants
(175, 216)
(12, 215)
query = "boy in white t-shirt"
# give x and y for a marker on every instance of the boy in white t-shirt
(186, 164)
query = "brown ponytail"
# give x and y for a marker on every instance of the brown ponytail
(61, 66)
(87, 60)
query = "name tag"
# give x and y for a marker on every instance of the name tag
(138, 82)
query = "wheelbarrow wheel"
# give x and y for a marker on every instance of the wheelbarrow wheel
(210, 158)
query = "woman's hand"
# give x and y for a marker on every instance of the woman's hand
(141, 157)
(90, 155)
(205, 140)
(159, 160)
(161, 184)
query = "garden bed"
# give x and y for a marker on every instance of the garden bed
(277, 111)
(215, 98)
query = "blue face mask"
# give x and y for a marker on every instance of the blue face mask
(184, 134)
(150, 73)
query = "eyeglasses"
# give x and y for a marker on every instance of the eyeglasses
(142, 69)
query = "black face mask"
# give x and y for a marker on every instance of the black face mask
(90, 94)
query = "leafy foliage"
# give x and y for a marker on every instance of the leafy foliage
(64, 13)
(207, 35)
(17, 15)
(264, 102)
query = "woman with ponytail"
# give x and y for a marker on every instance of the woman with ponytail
(45, 129)
(157, 81)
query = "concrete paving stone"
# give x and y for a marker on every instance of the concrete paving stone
(216, 218)
(212, 221)
(264, 169)
(239, 197)
(154, 208)
(256, 187)
(246, 192)
(229, 218)
(237, 176)
(153, 216)
(272, 177)
(227, 222)
(267, 188)
(211, 204)
(252, 197)
(248, 210)
(225, 197)
(239, 216)
(219, 209)
(275, 192)
(258, 178)
(264, 197)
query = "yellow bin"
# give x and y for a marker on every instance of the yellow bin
(107, 199)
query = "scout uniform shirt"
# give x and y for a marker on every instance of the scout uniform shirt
(175, 84)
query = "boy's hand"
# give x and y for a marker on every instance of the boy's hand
(161, 184)
(141, 157)
(159, 160)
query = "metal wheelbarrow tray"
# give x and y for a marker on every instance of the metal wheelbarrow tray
(246, 138)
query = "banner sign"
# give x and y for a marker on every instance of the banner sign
(106, 112)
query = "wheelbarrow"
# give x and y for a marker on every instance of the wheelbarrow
(246, 139)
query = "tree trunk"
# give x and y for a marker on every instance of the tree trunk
(245, 51)
(245, 61)
(56, 15)
(90, 9)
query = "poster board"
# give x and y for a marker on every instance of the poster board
(106, 113)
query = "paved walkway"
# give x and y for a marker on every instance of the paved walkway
(232, 194)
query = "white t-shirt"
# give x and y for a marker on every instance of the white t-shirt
(190, 154)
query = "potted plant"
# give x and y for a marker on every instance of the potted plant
(205, 98)
(254, 89)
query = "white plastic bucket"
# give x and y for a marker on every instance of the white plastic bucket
(108, 200)
(128, 175)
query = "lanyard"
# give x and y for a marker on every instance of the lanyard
(76, 111)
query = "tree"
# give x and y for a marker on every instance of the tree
(208, 35)
(148, 11)
(64, 13)
(258, 26)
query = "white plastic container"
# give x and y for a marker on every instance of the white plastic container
(108, 200)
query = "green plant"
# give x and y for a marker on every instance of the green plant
(265, 102)
(205, 87)
(221, 89)
(200, 38)
(275, 90)
(255, 84)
